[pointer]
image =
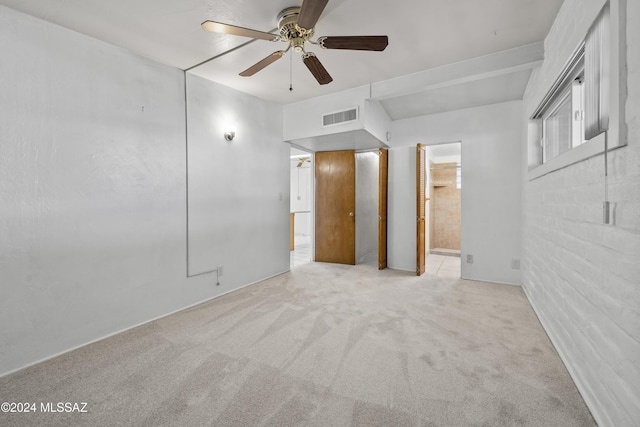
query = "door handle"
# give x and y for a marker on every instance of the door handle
(350, 213)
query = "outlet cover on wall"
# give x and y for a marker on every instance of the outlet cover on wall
(469, 259)
(515, 264)
(220, 271)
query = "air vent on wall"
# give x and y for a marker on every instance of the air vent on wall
(340, 117)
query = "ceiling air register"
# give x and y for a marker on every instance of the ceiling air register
(340, 117)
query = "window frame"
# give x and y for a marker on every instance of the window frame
(616, 135)
(571, 86)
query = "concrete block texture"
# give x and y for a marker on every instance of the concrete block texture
(580, 274)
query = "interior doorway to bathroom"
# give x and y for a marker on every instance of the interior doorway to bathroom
(444, 209)
(445, 224)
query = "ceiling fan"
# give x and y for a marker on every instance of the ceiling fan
(296, 27)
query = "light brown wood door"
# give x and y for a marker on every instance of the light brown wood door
(335, 206)
(421, 211)
(383, 179)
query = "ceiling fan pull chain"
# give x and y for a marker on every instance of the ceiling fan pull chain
(291, 73)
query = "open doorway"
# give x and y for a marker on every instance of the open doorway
(301, 200)
(444, 209)
(316, 216)
(347, 206)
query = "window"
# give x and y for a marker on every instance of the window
(563, 121)
(560, 116)
(579, 116)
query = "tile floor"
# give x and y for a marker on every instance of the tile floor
(443, 265)
(302, 253)
(438, 265)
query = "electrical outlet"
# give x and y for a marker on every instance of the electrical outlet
(220, 271)
(469, 259)
(515, 264)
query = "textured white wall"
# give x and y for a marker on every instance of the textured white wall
(239, 190)
(582, 276)
(491, 170)
(93, 192)
(304, 119)
(367, 171)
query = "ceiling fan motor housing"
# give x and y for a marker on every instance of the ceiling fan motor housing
(289, 30)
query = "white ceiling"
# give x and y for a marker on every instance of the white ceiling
(423, 35)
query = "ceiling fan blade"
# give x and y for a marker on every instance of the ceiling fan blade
(317, 69)
(262, 64)
(218, 27)
(310, 11)
(376, 43)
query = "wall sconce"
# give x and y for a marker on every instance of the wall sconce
(229, 136)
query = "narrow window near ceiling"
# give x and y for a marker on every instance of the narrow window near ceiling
(458, 177)
(560, 116)
(597, 75)
(577, 107)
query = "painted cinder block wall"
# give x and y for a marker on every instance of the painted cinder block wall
(581, 276)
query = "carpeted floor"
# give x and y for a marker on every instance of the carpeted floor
(323, 345)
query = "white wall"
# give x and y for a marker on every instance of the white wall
(93, 190)
(376, 120)
(582, 276)
(367, 172)
(491, 152)
(303, 122)
(401, 209)
(304, 119)
(239, 190)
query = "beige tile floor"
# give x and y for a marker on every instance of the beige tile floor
(443, 265)
(302, 253)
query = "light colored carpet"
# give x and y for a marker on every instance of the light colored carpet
(324, 345)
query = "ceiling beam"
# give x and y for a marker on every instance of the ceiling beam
(500, 63)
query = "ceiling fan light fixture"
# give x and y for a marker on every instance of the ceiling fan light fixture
(296, 26)
(297, 44)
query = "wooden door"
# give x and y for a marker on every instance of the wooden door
(421, 166)
(383, 178)
(335, 206)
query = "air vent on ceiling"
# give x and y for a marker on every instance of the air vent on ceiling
(340, 117)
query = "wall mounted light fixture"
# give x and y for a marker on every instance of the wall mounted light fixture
(229, 136)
